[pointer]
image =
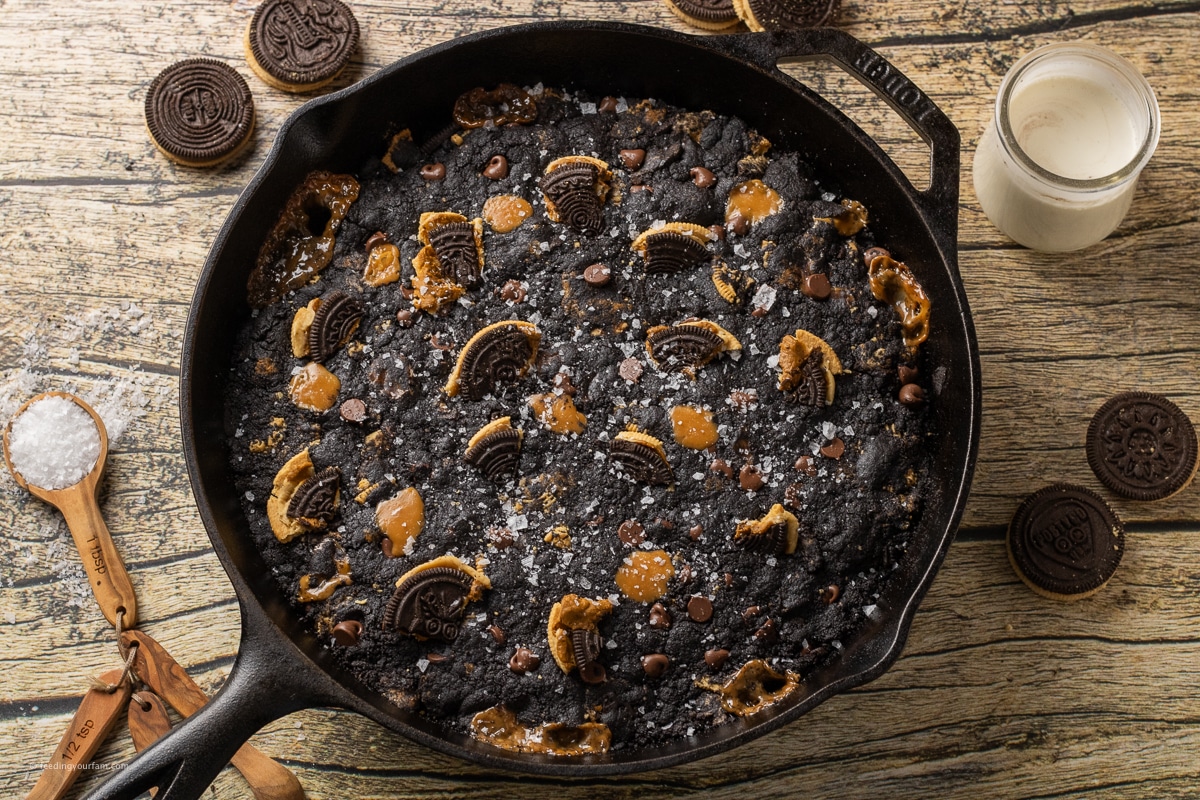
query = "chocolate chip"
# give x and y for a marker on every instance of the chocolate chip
(632, 159)
(631, 532)
(385, 544)
(716, 658)
(738, 224)
(499, 537)
(759, 311)
(404, 318)
(436, 658)
(597, 275)
(907, 374)
(695, 532)
(805, 464)
(751, 612)
(630, 370)
(607, 105)
(512, 290)
(562, 382)
(834, 449)
(717, 231)
(655, 664)
(702, 177)
(374, 240)
(792, 495)
(641, 187)
(816, 285)
(406, 291)
(524, 660)
(719, 465)
(728, 578)
(699, 608)
(829, 594)
(744, 400)
(497, 168)
(684, 573)
(912, 395)
(497, 633)
(872, 253)
(347, 632)
(433, 172)
(751, 478)
(769, 632)
(660, 618)
(354, 410)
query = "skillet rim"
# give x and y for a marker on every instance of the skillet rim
(322, 687)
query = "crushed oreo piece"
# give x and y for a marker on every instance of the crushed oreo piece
(572, 189)
(316, 498)
(336, 320)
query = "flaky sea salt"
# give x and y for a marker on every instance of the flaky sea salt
(54, 443)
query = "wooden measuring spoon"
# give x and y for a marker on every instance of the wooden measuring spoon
(91, 725)
(268, 779)
(105, 570)
(148, 721)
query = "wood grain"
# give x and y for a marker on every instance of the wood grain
(999, 693)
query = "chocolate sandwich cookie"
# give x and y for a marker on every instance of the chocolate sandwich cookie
(1065, 542)
(784, 15)
(712, 15)
(300, 45)
(199, 112)
(1142, 446)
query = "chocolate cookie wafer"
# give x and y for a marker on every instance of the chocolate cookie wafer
(199, 112)
(783, 15)
(712, 15)
(1065, 542)
(300, 45)
(1142, 446)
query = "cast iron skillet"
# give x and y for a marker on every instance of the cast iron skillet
(280, 667)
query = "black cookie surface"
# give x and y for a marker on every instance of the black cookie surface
(1142, 446)
(552, 529)
(199, 111)
(1065, 541)
(301, 42)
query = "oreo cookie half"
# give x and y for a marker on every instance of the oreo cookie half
(300, 45)
(712, 15)
(199, 112)
(1065, 542)
(1142, 446)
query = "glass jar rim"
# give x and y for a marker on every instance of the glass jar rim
(1113, 61)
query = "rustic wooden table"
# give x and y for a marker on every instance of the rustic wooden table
(999, 693)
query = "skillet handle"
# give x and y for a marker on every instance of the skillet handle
(260, 689)
(940, 200)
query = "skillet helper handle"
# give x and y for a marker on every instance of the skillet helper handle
(268, 779)
(98, 714)
(105, 570)
(874, 71)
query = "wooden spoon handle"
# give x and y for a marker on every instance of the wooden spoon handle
(105, 570)
(148, 721)
(95, 719)
(268, 779)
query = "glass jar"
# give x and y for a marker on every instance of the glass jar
(1074, 126)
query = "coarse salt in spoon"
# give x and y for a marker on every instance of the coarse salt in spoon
(56, 446)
